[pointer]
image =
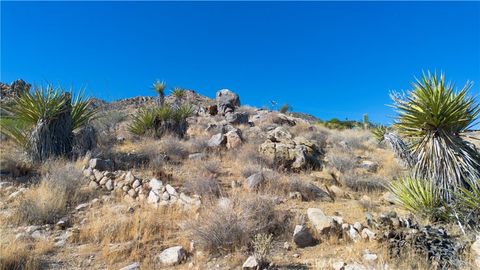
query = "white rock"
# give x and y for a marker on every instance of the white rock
(172, 256)
(165, 196)
(322, 223)
(136, 183)
(355, 266)
(388, 197)
(133, 266)
(155, 184)
(88, 172)
(109, 185)
(153, 197)
(93, 185)
(98, 174)
(82, 206)
(171, 190)
(339, 265)
(130, 178)
(357, 226)
(353, 234)
(103, 181)
(250, 264)
(367, 234)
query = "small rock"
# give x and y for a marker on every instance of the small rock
(103, 181)
(88, 172)
(136, 183)
(153, 197)
(370, 166)
(172, 256)
(357, 226)
(367, 234)
(339, 265)
(155, 184)
(93, 185)
(287, 246)
(337, 191)
(255, 180)
(82, 206)
(100, 164)
(355, 266)
(109, 185)
(302, 237)
(129, 177)
(132, 193)
(197, 156)
(353, 234)
(322, 223)
(369, 257)
(171, 190)
(165, 196)
(388, 197)
(133, 266)
(250, 264)
(217, 140)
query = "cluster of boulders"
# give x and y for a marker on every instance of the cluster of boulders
(102, 176)
(14, 89)
(228, 137)
(288, 152)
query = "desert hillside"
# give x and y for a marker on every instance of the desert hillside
(183, 181)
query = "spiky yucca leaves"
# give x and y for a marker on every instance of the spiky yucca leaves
(159, 88)
(378, 133)
(420, 197)
(468, 204)
(400, 149)
(44, 103)
(178, 92)
(156, 122)
(432, 116)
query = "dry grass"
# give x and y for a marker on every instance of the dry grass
(352, 139)
(61, 188)
(21, 254)
(228, 226)
(125, 234)
(341, 160)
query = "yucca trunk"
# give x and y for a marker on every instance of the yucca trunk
(160, 99)
(52, 137)
(400, 149)
(447, 160)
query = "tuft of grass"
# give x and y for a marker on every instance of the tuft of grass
(341, 160)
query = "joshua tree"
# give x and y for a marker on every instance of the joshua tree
(432, 117)
(159, 87)
(43, 121)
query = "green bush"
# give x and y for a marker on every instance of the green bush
(468, 204)
(157, 122)
(420, 197)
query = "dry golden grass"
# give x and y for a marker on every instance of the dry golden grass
(123, 234)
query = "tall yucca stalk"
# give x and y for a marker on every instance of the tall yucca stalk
(432, 117)
(159, 88)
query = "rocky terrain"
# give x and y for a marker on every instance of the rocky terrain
(246, 188)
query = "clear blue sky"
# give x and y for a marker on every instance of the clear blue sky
(324, 58)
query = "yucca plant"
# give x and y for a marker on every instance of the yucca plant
(378, 133)
(420, 197)
(42, 121)
(159, 88)
(468, 204)
(432, 117)
(156, 122)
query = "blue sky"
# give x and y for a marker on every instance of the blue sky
(330, 59)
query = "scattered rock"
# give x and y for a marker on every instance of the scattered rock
(250, 264)
(101, 164)
(339, 265)
(155, 184)
(368, 234)
(370, 166)
(302, 237)
(389, 197)
(255, 180)
(234, 138)
(217, 140)
(153, 197)
(197, 156)
(172, 256)
(322, 223)
(171, 190)
(133, 266)
(82, 206)
(237, 118)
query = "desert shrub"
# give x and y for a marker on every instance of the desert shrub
(211, 166)
(364, 182)
(285, 108)
(173, 148)
(432, 116)
(308, 190)
(197, 144)
(351, 139)
(341, 160)
(420, 197)
(203, 186)
(335, 123)
(159, 121)
(262, 246)
(108, 120)
(17, 254)
(42, 121)
(249, 169)
(228, 226)
(47, 202)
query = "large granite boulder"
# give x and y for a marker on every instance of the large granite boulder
(227, 101)
(289, 153)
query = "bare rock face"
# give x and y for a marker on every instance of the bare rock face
(237, 118)
(14, 89)
(227, 101)
(290, 153)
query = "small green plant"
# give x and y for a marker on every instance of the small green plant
(178, 92)
(420, 197)
(262, 245)
(366, 122)
(156, 122)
